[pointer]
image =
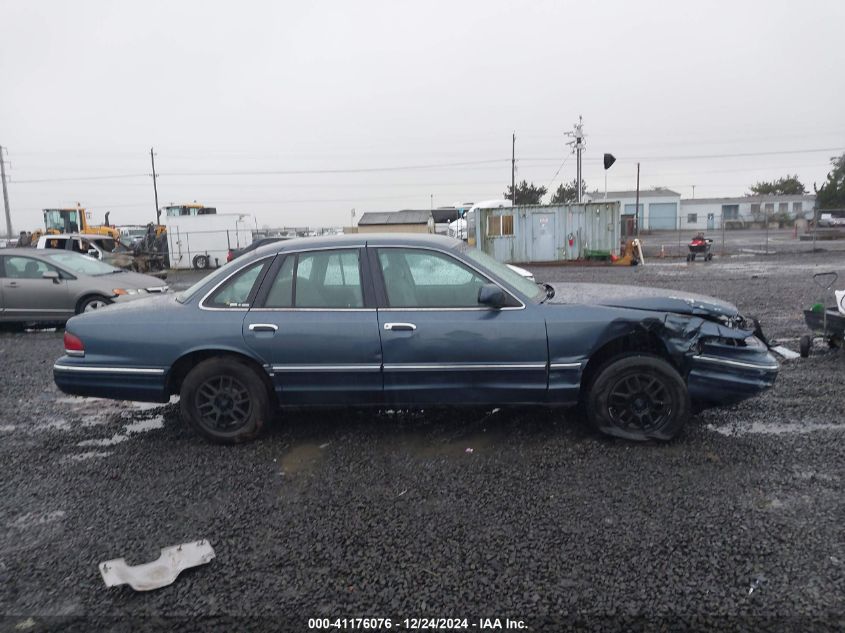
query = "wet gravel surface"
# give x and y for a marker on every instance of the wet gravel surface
(736, 524)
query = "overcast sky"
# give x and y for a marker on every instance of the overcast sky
(420, 97)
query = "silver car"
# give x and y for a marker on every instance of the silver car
(52, 286)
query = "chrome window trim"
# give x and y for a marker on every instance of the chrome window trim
(312, 309)
(468, 265)
(736, 363)
(110, 370)
(201, 303)
(460, 366)
(319, 367)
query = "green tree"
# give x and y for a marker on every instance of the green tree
(567, 192)
(831, 195)
(526, 193)
(787, 186)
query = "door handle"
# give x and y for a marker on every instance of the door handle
(399, 327)
(263, 327)
(12, 284)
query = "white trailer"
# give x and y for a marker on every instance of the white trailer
(203, 241)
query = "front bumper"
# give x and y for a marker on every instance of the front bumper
(143, 384)
(725, 375)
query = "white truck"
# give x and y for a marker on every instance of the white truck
(203, 241)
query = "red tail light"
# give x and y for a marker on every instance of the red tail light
(73, 345)
(230, 256)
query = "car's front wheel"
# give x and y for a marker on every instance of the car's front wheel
(225, 400)
(638, 397)
(91, 303)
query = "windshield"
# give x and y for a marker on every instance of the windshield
(528, 288)
(81, 264)
(66, 221)
(217, 275)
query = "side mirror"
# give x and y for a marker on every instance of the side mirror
(491, 295)
(51, 274)
(93, 252)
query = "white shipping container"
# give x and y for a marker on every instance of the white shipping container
(195, 239)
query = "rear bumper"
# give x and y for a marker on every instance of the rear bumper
(722, 379)
(142, 384)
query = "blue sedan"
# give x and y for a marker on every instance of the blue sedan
(404, 321)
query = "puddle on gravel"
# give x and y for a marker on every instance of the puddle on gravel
(774, 428)
(302, 457)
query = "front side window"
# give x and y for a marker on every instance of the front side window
(428, 279)
(237, 291)
(328, 280)
(26, 268)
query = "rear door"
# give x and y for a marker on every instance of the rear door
(441, 347)
(315, 323)
(28, 295)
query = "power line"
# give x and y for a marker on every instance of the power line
(399, 168)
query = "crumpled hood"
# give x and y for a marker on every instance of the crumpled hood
(642, 298)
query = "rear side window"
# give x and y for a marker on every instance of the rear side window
(239, 290)
(319, 280)
(25, 268)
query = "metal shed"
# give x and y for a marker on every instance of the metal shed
(405, 221)
(544, 233)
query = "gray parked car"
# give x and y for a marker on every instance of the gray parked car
(52, 286)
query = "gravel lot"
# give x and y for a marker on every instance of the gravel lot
(358, 513)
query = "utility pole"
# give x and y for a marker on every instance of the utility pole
(637, 205)
(155, 187)
(513, 170)
(5, 194)
(578, 147)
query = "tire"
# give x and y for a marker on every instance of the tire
(91, 303)
(805, 344)
(225, 400)
(200, 262)
(638, 397)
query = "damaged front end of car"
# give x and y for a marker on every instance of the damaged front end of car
(725, 359)
(722, 356)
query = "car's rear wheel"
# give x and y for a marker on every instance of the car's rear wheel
(638, 397)
(201, 262)
(91, 303)
(225, 400)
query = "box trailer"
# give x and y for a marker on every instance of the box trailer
(203, 241)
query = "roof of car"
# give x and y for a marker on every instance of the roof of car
(372, 239)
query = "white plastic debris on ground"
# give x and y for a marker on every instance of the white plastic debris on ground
(160, 572)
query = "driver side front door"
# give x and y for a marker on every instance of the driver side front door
(441, 347)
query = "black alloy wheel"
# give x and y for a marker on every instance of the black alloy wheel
(638, 397)
(223, 403)
(225, 399)
(639, 402)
